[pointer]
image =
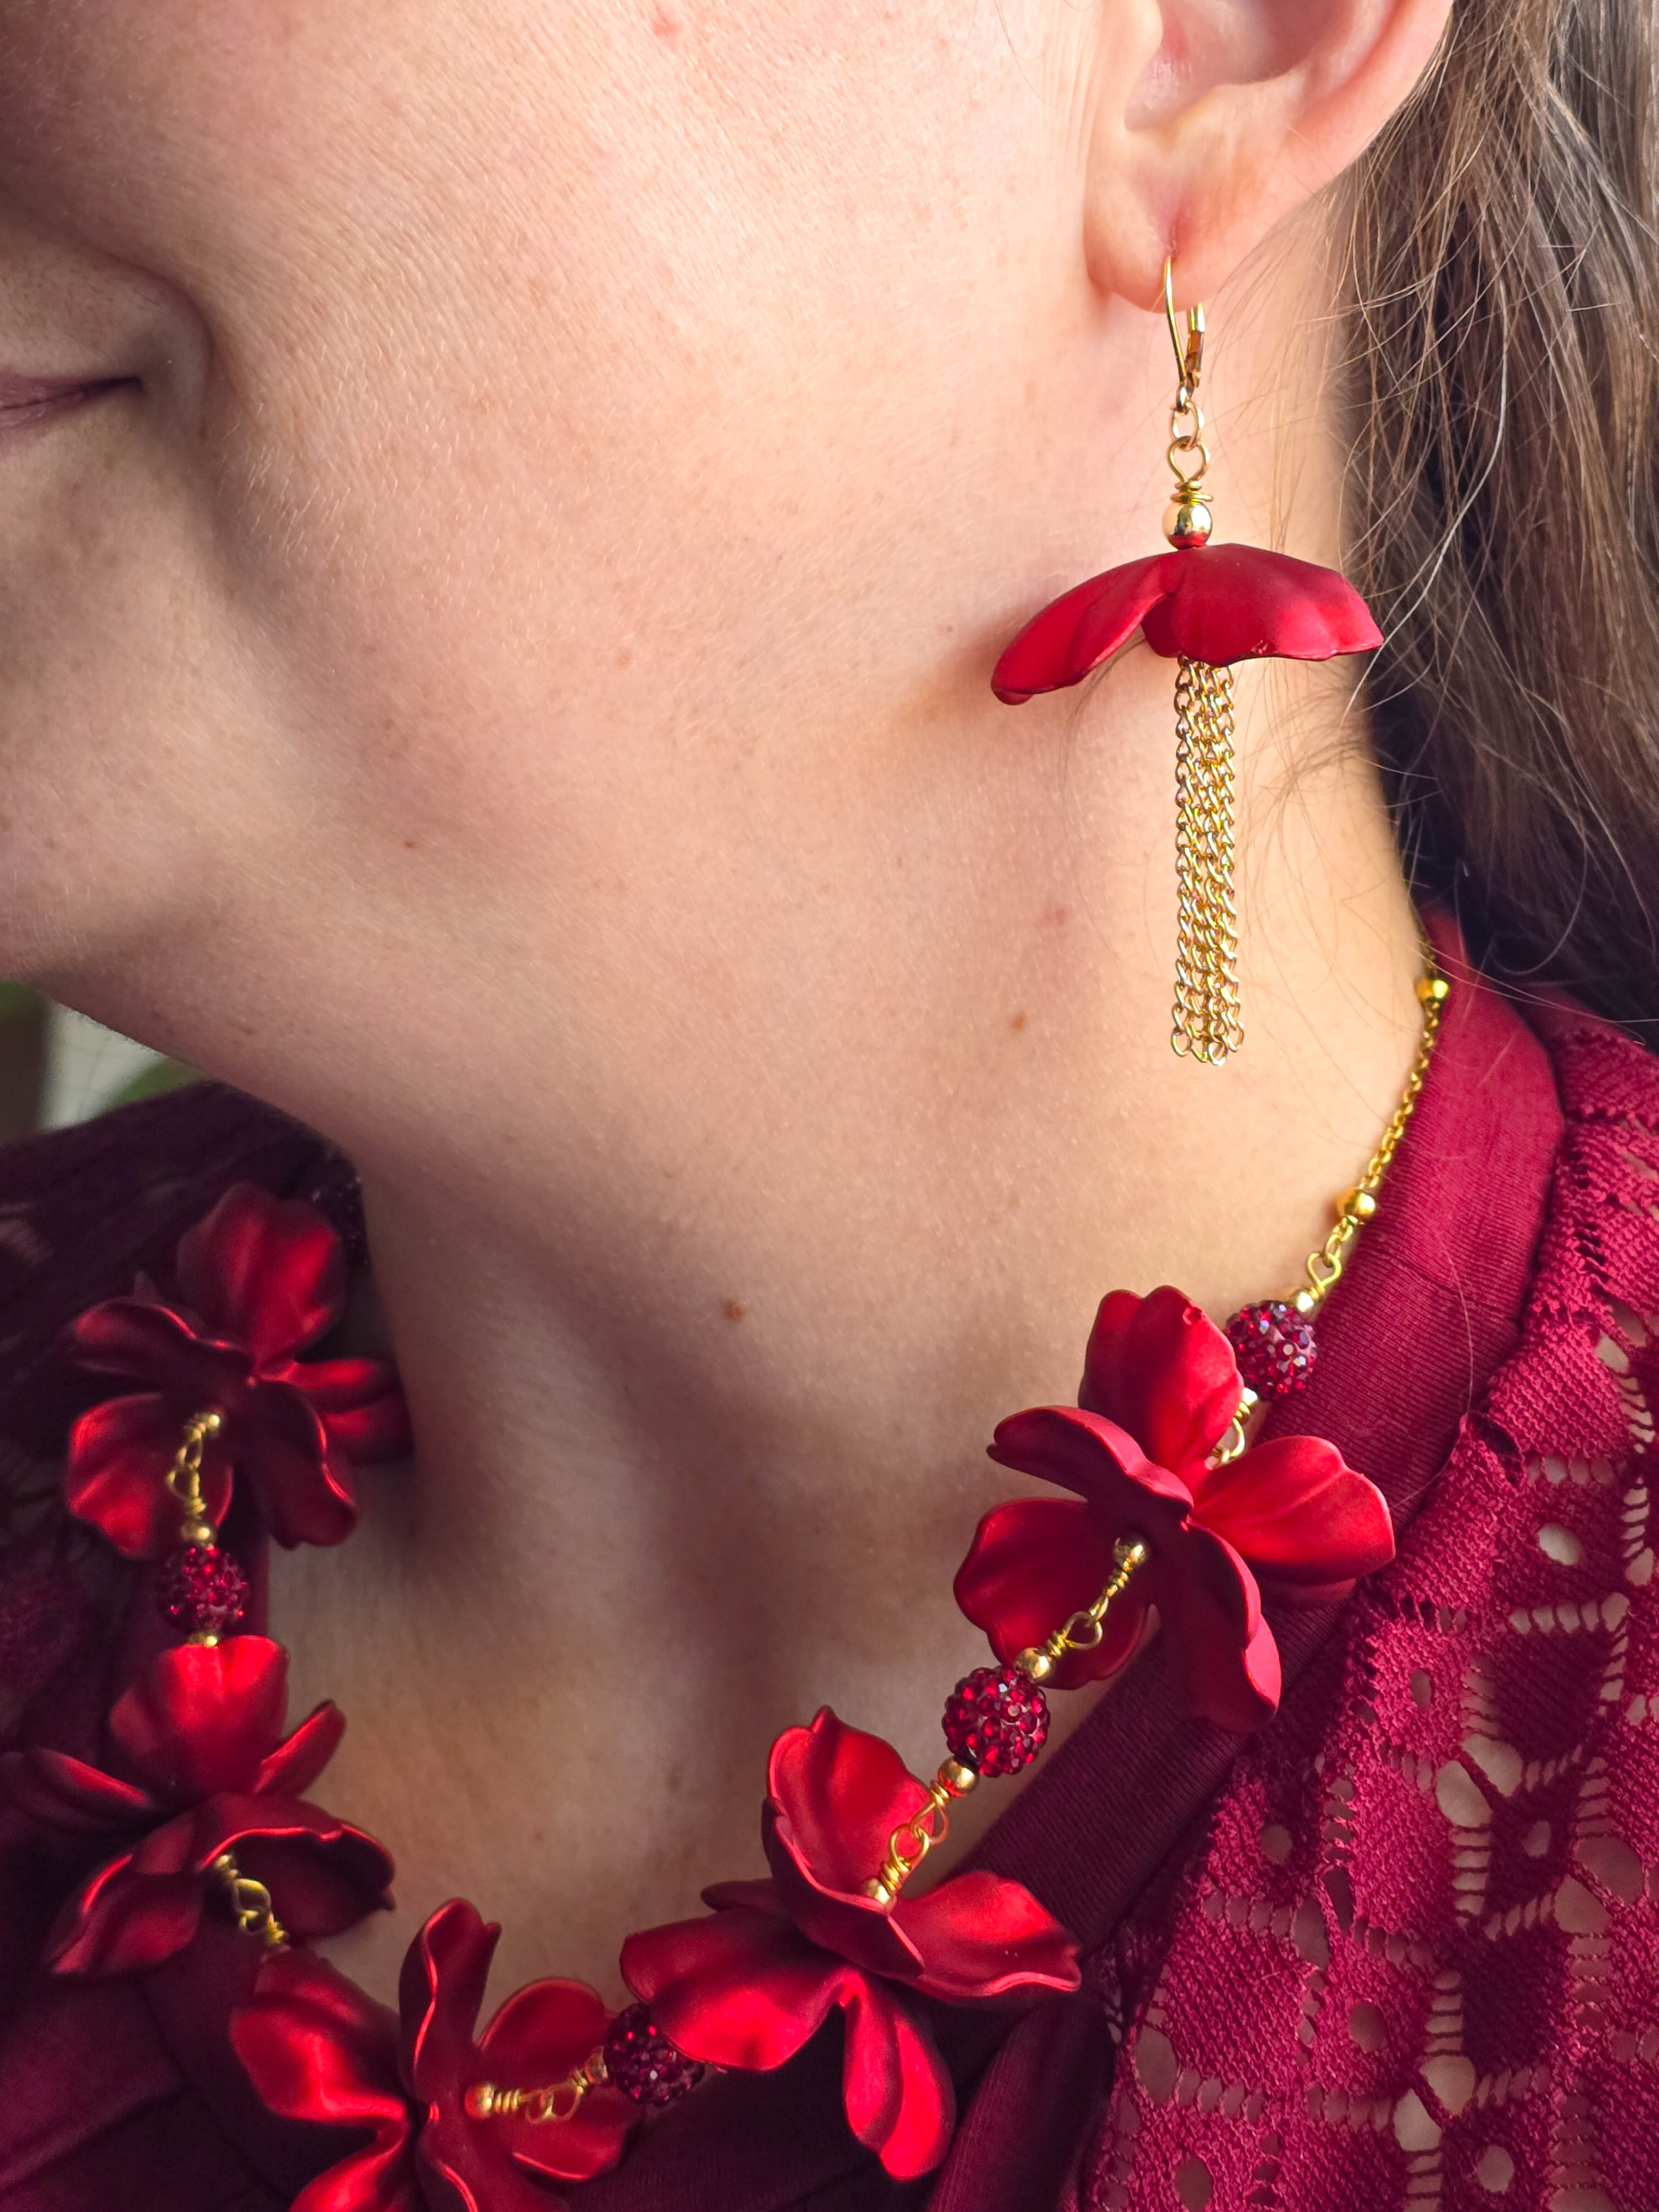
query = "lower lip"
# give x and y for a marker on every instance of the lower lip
(34, 398)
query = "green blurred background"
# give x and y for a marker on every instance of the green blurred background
(56, 1067)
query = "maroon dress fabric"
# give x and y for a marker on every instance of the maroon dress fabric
(1400, 1950)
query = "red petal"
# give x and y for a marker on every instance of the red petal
(1226, 1660)
(440, 1992)
(1233, 602)
(323, 1875)
(1035, 1562)
(269, 1271)
(145, 1342)
(1160, 1367)
(578, 2148)
(758, 1896)
(59, 1792)
(739, 1989)
(361, 1404)
(203, 1718)
(543, 2031)
(1307, 1523)
(541, 2034)
(317, 2050)
(840, 1794)
(304, 1493)
(851, 1925)
(121, 1921)
(116, 1475)
(1102, 1463)
(336, 2050)
(292, 1768)
(1086, 625)
(980, 1936)
(899, 2096)
(361, 2184)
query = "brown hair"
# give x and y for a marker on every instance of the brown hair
(1504, 286)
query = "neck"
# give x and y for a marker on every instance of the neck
(702, 1400)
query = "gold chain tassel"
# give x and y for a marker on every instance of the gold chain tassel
(1208, 1027)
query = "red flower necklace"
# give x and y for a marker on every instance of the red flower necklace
(202, 1805)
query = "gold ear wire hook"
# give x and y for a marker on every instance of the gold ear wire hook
(1189, 356)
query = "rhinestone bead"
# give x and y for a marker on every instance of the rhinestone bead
(201, 1590)
(1274, 1346)
(640, 2061)
(996, 1721)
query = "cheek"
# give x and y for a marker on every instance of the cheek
(535, 380)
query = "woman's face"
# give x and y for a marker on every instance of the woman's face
(550, 446)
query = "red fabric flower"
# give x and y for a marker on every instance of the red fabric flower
(259, 1279)
(748, 1986)
(202, 1733)
(1218, 604)
(317, 2049)
(1160, 1388)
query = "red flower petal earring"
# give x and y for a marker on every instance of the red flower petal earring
(1205, 607)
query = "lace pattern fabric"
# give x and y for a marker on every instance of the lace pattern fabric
(1415, 1962)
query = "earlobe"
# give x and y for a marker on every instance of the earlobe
(1215, 119)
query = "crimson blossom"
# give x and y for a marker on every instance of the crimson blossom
(1215, 603)
(1160, 1390)
(203, 1734)
(260, 1279)
(317, 2049)
(747, 1986)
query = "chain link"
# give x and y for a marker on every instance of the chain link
(1207, 1023)
(1324, 1266)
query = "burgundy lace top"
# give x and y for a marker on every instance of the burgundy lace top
(1400, 1950)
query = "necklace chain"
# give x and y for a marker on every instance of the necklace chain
(1357, 1206)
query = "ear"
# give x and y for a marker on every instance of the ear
(1215, 119)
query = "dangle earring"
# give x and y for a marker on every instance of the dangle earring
(1206, 1017)
(1205, 607)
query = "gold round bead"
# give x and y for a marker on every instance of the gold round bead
(1036, 1666)
(1187, 522)
(1433, 989)
(202, 1533)
(1358, 1204)
(877, 1890)
(957, 1778)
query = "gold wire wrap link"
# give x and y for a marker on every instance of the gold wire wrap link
(1237, 1440)
(183, 1477)
(184, 1480)
(250, 1903)
(1085, 1630)
(554, 2105)
(1357, 1206)
(911, 1841)
(1206, 1024)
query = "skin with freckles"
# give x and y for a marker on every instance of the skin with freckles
(500, 668)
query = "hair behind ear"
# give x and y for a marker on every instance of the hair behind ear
(1504, 289)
